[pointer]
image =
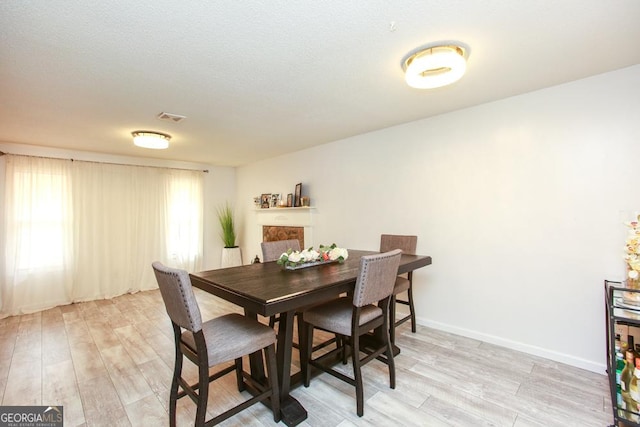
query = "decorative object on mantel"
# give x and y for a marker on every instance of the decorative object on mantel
(296, 197)
(632, 260)
(294, 260)
(231, 254)
(275, 199)
(265, 201)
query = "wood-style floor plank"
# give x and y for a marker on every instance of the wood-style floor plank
(109, 363)
(60, 385)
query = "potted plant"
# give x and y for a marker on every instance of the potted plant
(231, 254)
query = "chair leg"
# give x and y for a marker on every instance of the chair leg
(412, 310)
(302, 344)
(392, 317)
(272, 372)
(390, 362)
(305, 366)
(343, 348)
(173, 396)
(239, 379)
(357, 373)
(203, 391)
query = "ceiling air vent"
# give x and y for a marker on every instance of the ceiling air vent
(171, 117)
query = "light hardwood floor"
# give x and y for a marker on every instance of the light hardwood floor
(109, 363)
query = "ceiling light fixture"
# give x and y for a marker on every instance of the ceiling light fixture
(151, 139)
(435, 66)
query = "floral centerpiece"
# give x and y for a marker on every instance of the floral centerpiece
(308, 257)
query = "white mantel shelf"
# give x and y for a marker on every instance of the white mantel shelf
(300, 217)
(300, 208)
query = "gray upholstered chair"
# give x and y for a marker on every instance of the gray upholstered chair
(207, 344)
(408, 246)
(271, 251)
(352, 318)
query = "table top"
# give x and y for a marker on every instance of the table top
(268, 288)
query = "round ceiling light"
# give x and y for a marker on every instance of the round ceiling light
(435, 67)
(151, 139)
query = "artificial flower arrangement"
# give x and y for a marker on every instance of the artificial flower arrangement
(632, 250)
(307, 257)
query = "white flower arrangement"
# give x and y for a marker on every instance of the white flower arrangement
(632, 250)
(311, 256)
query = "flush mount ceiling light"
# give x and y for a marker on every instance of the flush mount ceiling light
(151, 139)
(435, 66)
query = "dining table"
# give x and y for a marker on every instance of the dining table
(268, 289)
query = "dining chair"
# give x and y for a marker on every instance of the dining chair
(403, 283)
(352, 317)
(208, 344)
(271, 251)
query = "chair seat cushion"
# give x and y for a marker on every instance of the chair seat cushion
(232, 336)
(402, 284)
(335, 316)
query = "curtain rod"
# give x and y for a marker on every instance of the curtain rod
(104, 163)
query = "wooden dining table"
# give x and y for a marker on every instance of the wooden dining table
(268, 289)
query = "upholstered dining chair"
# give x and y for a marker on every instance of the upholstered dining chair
(271, 251)
(403, 283)
(214, 342)
(352, 317)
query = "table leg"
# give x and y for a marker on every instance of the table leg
(293, 413)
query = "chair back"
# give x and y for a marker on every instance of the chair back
(179, 299)
(271, 251)
(407, 244)
(376, 278)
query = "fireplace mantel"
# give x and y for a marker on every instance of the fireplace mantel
(292, 217)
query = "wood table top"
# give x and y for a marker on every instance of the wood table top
(269, 288)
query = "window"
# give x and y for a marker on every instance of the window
(85, 230)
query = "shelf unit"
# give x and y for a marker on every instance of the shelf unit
(619, 312)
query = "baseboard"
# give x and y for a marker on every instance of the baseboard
(599, 368)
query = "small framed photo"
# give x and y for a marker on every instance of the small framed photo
(275, 198)
(296, 197)
(265, 201)
(289, 200)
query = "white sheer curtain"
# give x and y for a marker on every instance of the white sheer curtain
(77, 231)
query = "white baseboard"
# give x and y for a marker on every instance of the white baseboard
(599, 368)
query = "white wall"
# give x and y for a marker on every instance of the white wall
(219, 186)
(519, 202)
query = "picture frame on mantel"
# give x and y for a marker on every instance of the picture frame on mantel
(289, 200)
(296, 198)
(265, 201)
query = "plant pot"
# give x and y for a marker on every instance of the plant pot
(231, 257)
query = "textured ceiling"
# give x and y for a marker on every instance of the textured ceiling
(260, 78)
